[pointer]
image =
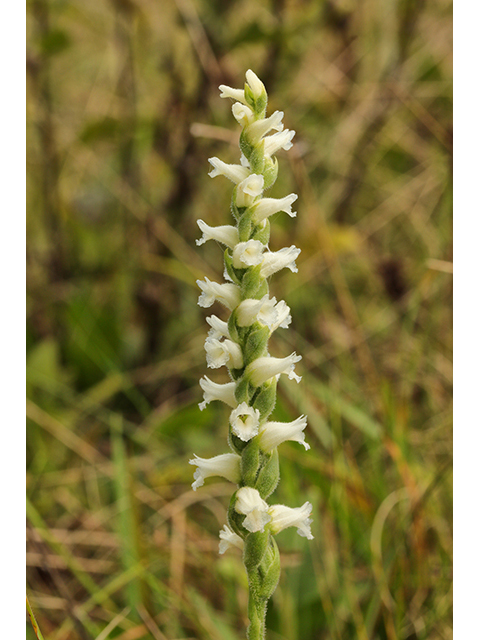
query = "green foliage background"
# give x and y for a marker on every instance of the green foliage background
(123, 112)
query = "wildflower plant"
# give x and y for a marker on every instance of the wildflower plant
(240, 343)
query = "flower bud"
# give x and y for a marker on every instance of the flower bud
(243, 114)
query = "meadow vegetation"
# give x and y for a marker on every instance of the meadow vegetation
(123, 112)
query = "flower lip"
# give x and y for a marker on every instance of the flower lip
(245, 421)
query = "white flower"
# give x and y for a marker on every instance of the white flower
(262, 369)
(258, 129)
(248, 254)
(244, 161)
(262, 311)
(274, 433)
(219, 328)
(273, 261)
(249, 503)
(245, 421)
(242, 114)
(256, 85)
(268, 206)
(226, 234)
(229, 538)
(223, 353)
(228, 294)
(280, 140)
(236, 94)
(226, 465)
(213, 391)
(234, 172)
(283, 517)
(283, 316)
(248, 190)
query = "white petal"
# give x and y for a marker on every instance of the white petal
(283, 517)
(227, 294)
(236, 94)
(214, 391)
(247, 254)
(262, 369)
(248, 499)
(245, 421)
(280, 140)
(266, 207)
(229, 538)
(219, 327)
(248, 190)
(275, 260)
(226, 465)
(226, 234)
(242, 114)
(223, 353)
(262, 311)
(272, 434)
(234, 172)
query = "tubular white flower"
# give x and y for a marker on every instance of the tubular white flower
(242, 114)
(255, 131)
(262, 369)
(229, 538)
(214, 391)
(219, 328)
(226, 465)
(268, 206)
(247, 254)
(234, 172)
(273, 434)
(249, 503)
(263, 311)
(245, 421)
(223, 353)
(226, 234)
(283, 517)
(273, 261)
(256, 85)
(283, 316)
(236, 94)
(227, 294)
(248, 190)
(280, 140)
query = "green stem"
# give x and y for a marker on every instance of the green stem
(34, 622)
(257, 611)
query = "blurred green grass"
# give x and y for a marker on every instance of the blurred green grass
(123, 112)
